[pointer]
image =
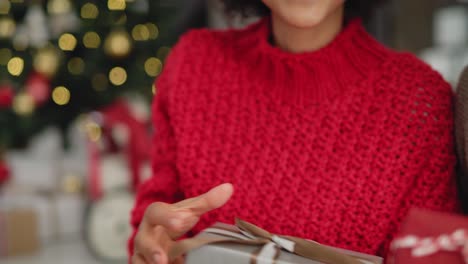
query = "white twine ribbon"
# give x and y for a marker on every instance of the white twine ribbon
(268, 252)
(426, 246)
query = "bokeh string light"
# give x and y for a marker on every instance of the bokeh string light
(76, 66)
(5, 7)
(15, 66)
(118, 76)
(153, 66)
(61, 95)
(59, 6)
(23, 104)
(46, 61)
(116, 4)
(91, 40)
(7, 27)
(118, 44)
(89, 11)
(67, 42)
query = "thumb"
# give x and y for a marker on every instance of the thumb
(213, 199)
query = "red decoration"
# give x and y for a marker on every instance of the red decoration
(6, 96)
(4, 173)
(136, 149)
(38, 86)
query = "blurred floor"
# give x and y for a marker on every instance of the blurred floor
(67, 252)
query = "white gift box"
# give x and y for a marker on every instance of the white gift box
(70, 211)
(39, 165)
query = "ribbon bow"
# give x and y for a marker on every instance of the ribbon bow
(271, 244)
(426, 246)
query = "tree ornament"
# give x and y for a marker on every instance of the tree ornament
(63, 17)
(118, 44)
(4, 172)
(38, 87)
(36, 22)
(6, 96)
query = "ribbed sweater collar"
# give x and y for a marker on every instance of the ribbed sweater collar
(312, 77)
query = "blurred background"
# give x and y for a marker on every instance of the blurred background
(76, 83)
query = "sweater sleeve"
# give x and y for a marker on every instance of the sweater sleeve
(163, 186)
(431, 175)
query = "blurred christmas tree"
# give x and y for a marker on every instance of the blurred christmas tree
(62, 58)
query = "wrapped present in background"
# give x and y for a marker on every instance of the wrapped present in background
(15, 198)
(19, 232)
(59, 214)
(431, 237)
(247, 243)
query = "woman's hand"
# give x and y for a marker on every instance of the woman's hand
(163, 223)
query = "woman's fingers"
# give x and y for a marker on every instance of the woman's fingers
(164, 243)
(208, 201)
(138, 259)
(180, 217)
(163, 223)
(179, 260)
(153, 243)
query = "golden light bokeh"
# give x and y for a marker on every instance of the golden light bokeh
(15, 66)
(118, 44)
(5, 56)
(23, 104)
(153, 88)
(67, 42)
(72, 184)
(47, 61)
(76, 66)
(7, 27)
(61, 95)
(118, 76)
(100, 82)
(153, 66)
(153, 30)
(116, 4)
(93, 130)
(91, 40)
(59, 6)
(5, 7)
(89, 11)
(140, 32)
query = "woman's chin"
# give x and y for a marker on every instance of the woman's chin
(303, 21)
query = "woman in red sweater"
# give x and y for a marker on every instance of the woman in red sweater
(323, 132)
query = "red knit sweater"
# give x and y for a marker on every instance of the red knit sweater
(333, 145)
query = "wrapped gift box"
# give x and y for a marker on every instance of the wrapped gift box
(431, 237)
(18, 232)
(246, 243)
(60, 216)
(14, 198)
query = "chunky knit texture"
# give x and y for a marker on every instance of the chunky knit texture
(333, 145)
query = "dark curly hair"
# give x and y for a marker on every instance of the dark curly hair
(353, 8)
